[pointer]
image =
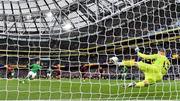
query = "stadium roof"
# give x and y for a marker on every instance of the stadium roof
(81, 25)
(40, 17)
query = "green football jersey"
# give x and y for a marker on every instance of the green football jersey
(35, 67)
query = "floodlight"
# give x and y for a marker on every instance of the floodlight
(49, 14)
(67, 26)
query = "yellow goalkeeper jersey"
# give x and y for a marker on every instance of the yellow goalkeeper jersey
(159, 60)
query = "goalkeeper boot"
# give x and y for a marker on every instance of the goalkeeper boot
(132, 84)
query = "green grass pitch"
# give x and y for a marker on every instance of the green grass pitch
(86, 90)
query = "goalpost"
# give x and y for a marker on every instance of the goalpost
(74, 40)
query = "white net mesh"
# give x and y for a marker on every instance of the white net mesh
(63, 49)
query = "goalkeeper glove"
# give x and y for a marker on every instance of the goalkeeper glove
(137, 49)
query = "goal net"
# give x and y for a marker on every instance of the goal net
(87, 49)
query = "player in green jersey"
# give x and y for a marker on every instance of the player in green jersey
(153, 72)
(34, 68)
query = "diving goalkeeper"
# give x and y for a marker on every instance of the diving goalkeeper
(153, 72)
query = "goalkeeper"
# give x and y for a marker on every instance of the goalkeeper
(153, 72)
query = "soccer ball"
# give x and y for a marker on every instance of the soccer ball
(22, 82)
(113, 60)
